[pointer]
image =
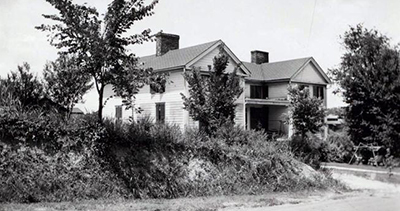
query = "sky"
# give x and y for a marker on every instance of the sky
(287, 29)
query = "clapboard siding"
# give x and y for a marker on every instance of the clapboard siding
(175, 82)
(174, 113)
(207, 60)
(278, 90)
(147, 110)
(239, 114)
(173, 89)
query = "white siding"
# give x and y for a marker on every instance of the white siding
(171, 97)
(310, 74)
(278, 90)
(247, 90)
(208, 60)
(239, 114)
(147, 101)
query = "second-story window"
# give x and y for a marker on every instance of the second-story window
(258, 92)
(157, 88)
(318, 91)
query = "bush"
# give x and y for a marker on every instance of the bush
(311, 149)
(85, 160)
(31, 175)
(146, 156)
(340, 147)
(43, 158)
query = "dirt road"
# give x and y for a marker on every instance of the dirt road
(363, 203)
(371, 195)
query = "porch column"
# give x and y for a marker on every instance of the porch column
(290, 129)
(248, 117)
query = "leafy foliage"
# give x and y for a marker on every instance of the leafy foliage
(87, 160)
(310, 149)
(211, 100)
(65, 83)
(369, 76)
(100, 44)
(307, 113)
(23, 87)
(340, 147)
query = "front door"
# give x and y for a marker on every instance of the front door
(259, 118)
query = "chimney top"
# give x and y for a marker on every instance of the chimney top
(166, 42)
(259, 57)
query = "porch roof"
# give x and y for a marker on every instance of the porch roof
(280, 102)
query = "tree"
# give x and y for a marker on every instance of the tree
(306, 113)
(65, 83)
(211, 100)
(369, 76)
(100, 45)
(23, 86)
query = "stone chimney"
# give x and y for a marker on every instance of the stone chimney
(166, 42)
(259, 57)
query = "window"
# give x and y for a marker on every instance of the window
(118, 112)
(160, 112)
(258, 92)
(318, 91)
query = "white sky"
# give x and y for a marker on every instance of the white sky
(285, 28)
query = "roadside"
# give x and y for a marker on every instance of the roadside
(367, 194)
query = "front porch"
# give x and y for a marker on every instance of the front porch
(267, 114)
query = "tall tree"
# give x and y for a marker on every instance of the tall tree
(306, 113)
(369, 76)
(65, 83)
(101, 45)
(211, 100)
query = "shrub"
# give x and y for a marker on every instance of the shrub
(31, 175)
(248, 166)
(310, 149)
(43, 158)
(142, 160)
(146, 156)
(340, 147)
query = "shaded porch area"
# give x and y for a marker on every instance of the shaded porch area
(268, 115)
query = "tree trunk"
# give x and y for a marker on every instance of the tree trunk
(100, 110)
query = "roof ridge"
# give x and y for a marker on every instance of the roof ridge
(288, 60)
(192, 46)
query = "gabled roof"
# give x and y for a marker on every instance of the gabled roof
(282, 70)
(175, 58)
(186, 57)
(274, 71)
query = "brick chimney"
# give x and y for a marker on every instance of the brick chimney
(166, 42)
(259, 57)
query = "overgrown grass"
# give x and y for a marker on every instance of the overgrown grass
(64, 161)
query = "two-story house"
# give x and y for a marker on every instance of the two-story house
(263, 104)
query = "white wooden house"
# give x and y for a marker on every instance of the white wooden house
(262, 104)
